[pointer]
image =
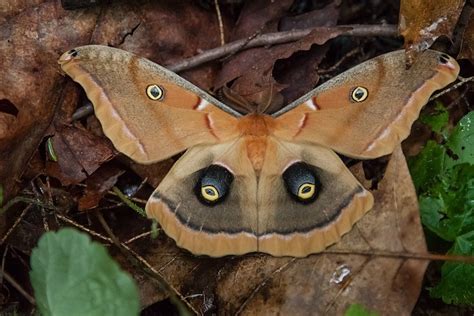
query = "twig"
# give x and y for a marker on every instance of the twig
(129, 203)
(462, 81)
(336, 65)
(142, 235)
(15, 224)
(282, 37)
(18, 287)
(25, 199)
(219, 19)
(262, 284)
(175, 296)
(403, 255)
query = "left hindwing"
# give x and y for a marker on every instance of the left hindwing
(367, 110)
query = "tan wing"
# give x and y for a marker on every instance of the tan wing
(367, 110)
(258, 215)
(292, 219)
(227, 225)
(148, 112)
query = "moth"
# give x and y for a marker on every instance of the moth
(269, 183)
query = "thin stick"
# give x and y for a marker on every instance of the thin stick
(279, 38)
(142, 235)
(129, 203)
(18, 287)
(15, 224)
(404, 255)
(462, 81)
(343, 59)
(81, 227)
(219, 19)
(175, 296)
(25, 199)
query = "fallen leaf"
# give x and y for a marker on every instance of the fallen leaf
(97, 186)
(32, 35)
(251, 70)
(467, 46)
(261, 16)
(422, 22)
(79, 154)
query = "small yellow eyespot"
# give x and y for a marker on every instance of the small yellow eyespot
(209, 193)
(306, 191)
(154, 92)
(359, 94)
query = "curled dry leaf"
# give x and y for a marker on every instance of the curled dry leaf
(251, 70)
(422, 22)
(319, 284)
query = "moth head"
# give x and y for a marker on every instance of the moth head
(302, 182)
(359, 94)
(213, 184)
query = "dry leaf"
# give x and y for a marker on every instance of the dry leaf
(79, 154)
(97, 186)
(467, 46)
(422, 22)
(251, 70)
(31, 39)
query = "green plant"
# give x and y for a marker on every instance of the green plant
(443, 174)
(71, 275)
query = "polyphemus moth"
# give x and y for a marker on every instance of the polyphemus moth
(258, 182)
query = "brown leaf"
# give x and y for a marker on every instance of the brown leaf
(251, 70)
(97, 186)
(260, 16)
(156, 31)
(79, 153)
(467, 46)
(32, 36)
(260, 284)
(422, 22)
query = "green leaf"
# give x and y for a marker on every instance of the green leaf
(457, 279)
(436, 121)
(73, 276)
(461, 141)
(447, 208)
(428, 164)
(358, 310)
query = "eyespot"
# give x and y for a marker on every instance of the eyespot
(306, 191)
(213, 184)
(209, 193)
(301, 182)
(443, 58)
(359, 94)
(154, 92)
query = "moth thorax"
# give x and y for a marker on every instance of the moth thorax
(256, 150)
(258, 125)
